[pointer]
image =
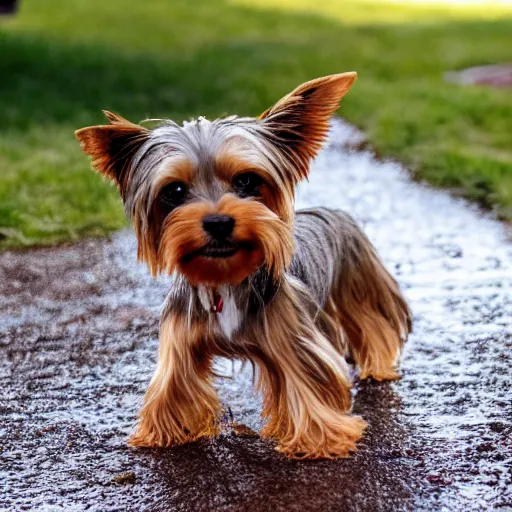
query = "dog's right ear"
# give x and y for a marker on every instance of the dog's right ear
(112, 147)
(299, 122)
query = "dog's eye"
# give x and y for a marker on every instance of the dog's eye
(247, 184)
(173, 195)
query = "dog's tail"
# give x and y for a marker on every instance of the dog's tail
(369, 305)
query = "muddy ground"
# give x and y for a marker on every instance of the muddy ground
(78, 342)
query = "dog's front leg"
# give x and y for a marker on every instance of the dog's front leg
(180, 404)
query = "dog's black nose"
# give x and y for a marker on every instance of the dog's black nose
(218, 226)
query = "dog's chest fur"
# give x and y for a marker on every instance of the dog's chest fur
(229, 320)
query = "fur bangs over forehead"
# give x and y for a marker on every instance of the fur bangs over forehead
(201, 145)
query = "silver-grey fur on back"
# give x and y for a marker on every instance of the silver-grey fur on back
(324, 237)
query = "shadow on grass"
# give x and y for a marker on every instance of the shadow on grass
(45, 80)
(50, 80)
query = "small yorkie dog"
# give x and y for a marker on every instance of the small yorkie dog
(294, 293)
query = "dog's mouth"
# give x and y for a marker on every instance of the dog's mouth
(215, 249)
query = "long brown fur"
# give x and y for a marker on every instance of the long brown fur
(306, 387)
(180, 404)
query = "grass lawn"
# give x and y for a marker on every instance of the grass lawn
(63, 61)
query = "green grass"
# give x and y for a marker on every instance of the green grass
(63, 61)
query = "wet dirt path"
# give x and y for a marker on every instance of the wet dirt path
(78, 341)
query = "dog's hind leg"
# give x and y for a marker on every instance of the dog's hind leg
(369, 305)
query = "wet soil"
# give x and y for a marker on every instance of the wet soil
(78, 343)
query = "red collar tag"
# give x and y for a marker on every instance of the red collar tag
(218, 303)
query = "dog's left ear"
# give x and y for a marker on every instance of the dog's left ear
(112, 147)
(299, 122)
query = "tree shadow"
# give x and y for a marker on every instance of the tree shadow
(49, 81)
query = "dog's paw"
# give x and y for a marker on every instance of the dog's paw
(330, 440)
(380, 375)
(141, 440)
(150, 436)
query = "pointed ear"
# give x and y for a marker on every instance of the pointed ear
(299, 122)
(112, 147)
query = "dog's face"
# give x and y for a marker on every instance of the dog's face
(214, 200)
